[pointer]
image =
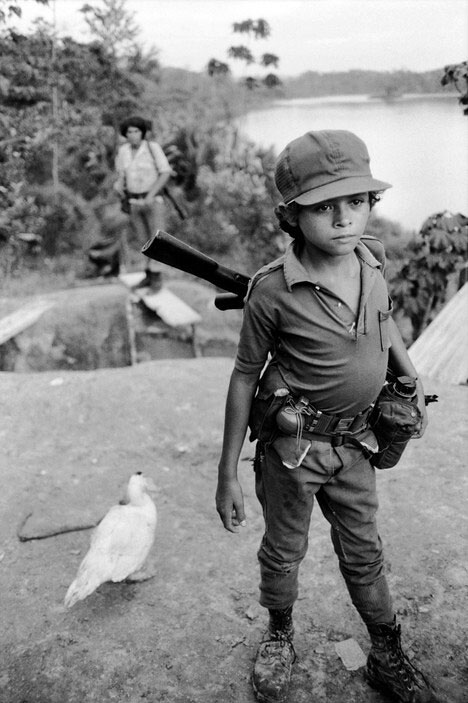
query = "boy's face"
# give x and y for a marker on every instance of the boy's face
(335, 227)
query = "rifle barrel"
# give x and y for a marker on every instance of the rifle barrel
(169, 250)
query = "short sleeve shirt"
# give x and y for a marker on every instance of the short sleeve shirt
(321, 348)
(141, 167)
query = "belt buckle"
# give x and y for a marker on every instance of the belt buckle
(344, 424)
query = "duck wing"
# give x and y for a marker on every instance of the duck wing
(119, 546)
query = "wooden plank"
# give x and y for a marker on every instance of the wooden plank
(171, 309)
(132, 279)
(168, 306)
(21, 319)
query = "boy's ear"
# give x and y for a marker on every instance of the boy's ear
(289, 213)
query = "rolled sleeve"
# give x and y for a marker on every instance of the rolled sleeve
(257, 336)
(160, 158)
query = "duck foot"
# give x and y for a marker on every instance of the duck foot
(141, 575)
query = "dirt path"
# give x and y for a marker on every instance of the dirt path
(68, 443)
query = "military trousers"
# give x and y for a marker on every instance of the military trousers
(344, 484)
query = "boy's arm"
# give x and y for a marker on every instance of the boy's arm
(401, 364)
(229, 498)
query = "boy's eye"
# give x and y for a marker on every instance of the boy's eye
(324, 207)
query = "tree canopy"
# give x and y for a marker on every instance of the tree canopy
(258, 29)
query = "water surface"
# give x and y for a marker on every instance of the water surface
(419, 144)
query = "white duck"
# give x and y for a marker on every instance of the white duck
(119, 544)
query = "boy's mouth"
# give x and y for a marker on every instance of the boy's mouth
(344, 237)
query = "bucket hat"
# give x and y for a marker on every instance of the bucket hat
(322, 165)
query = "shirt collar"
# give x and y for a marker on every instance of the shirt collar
(295, 272)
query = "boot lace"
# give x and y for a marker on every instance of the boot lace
(279, 642)
(400, 661)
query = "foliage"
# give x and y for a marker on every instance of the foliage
(225, 184)
(260, 29)
(25, 68)
(457, 75)
(112, 25)
(34, 224)
(31, 66)
(12, 8)
(217, 68)
(144, 63)
(419, 286)
(62, 218)
(233, 217)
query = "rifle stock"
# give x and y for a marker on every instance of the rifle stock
(166, 249)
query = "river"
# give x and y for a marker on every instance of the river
(417, 143)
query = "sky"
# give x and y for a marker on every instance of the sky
(315, 35)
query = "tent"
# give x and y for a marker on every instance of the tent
(441, 350)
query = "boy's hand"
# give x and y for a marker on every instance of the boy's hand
(421, 428)
(230, 504)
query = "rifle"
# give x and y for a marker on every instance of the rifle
(169, 250)
(177, 207)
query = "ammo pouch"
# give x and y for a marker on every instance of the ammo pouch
(272, 394)
(393, 421)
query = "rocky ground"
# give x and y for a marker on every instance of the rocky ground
(69, 440)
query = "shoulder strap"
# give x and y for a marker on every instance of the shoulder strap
(375, 247)
(152, 155)
(263, 272)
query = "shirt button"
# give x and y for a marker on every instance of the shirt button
(317, 287)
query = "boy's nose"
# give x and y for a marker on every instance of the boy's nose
(342, 216)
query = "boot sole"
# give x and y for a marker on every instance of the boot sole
(380, 687)
(377, 685)
(264, 699)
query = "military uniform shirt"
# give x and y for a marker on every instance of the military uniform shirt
(322, 350)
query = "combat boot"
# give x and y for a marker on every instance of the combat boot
(389, 670)
(274, 660)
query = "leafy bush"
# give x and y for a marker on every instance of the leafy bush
(419, 285)
(233, 216)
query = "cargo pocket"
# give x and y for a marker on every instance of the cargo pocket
(384, 327)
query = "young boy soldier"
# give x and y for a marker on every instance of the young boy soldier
(321, 313)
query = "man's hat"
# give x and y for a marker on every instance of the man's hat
(135, 121)
(322, 165)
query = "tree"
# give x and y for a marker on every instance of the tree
(457, 74)
(217, 68)
(31, 66)
(10, 9)
(114, 29)
(112, 25)
(145, 63)
(259, 29)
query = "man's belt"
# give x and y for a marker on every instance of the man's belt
(136, 196)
